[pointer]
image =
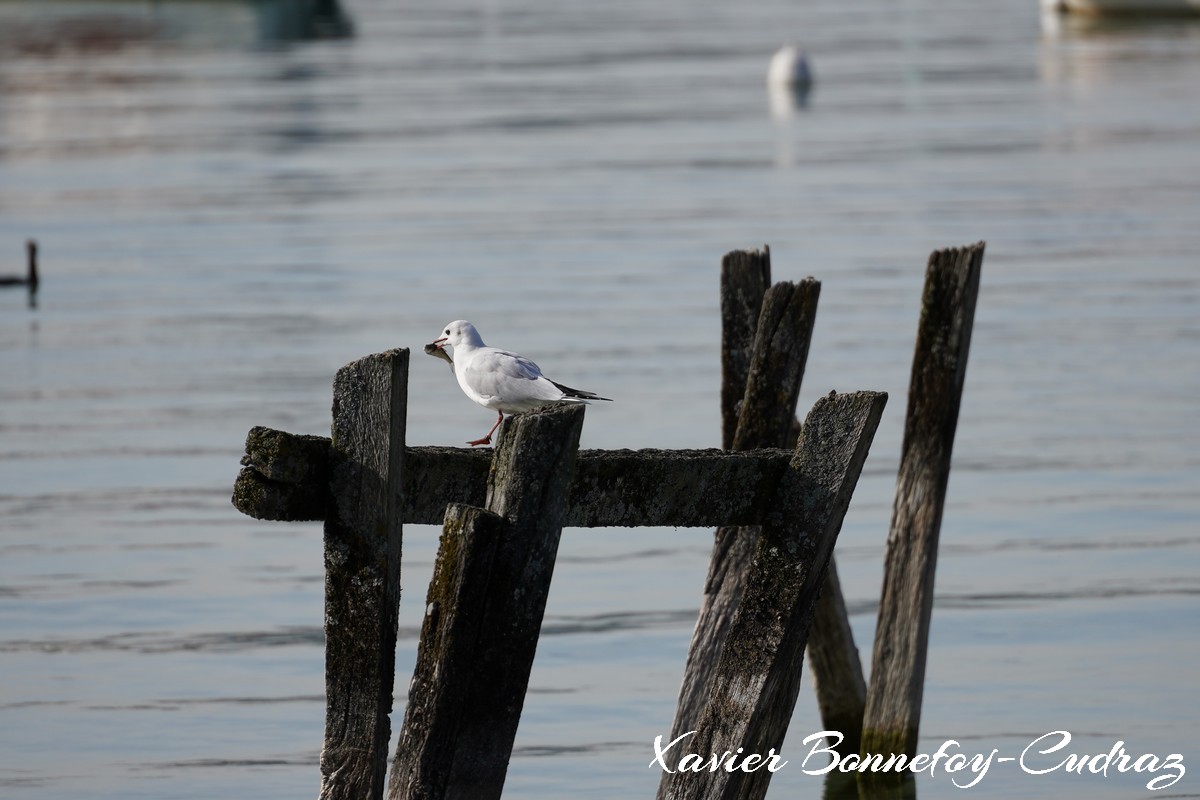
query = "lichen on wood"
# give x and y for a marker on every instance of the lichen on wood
(287, 457)
(285, 476)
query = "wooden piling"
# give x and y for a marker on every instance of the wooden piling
(893, 711)
(776, 342)
(745, 278)
(484, 615)
(31, 250)
(362, 572)
(781, 341)
(445, 679)
(837, 669)
(754, 688)
(837, 674)
(30, 280)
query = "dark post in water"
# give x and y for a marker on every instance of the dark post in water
(483, 615)
(754, 688)
(893, 713)
(765, 356)
(362, 572)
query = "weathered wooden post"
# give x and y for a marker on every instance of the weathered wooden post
(770, 371)
(781, 341)
(753, 690)
(836, 667)
(893, 712)
(837, 671)
(30, 279)
(745, 278)
(362, 572)
(484, 614)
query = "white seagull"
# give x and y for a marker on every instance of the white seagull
(499, 379)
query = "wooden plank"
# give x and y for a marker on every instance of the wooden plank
(477, 651)
(611, 488)
(676, 488)
(836, 668)
(781, 336)
(745, 277)
(939, 368)
(781, 341)
(285, 476)
(754, 688)
(362, 572)
(445, 678)
(32, 279)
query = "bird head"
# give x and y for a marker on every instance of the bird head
(458, 333)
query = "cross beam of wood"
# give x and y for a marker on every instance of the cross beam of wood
(286, 478)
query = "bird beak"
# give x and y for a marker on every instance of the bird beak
(435, 349)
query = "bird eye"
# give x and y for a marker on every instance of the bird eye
(447, 331)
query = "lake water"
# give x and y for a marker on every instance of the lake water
(230, 209)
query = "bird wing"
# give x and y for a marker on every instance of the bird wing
(508, 376)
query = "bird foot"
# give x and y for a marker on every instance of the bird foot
(485, 440)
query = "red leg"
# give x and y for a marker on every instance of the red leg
(488, 439)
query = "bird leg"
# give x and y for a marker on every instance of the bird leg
(488, 438)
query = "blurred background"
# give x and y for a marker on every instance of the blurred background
(233, 199)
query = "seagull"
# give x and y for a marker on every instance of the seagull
(500, 379)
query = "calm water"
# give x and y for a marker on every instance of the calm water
(230, 210)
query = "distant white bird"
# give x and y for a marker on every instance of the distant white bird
(789, 67)
(499, 379)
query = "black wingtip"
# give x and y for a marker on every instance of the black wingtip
(579, 394)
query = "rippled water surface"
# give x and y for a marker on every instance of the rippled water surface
(235, 199)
